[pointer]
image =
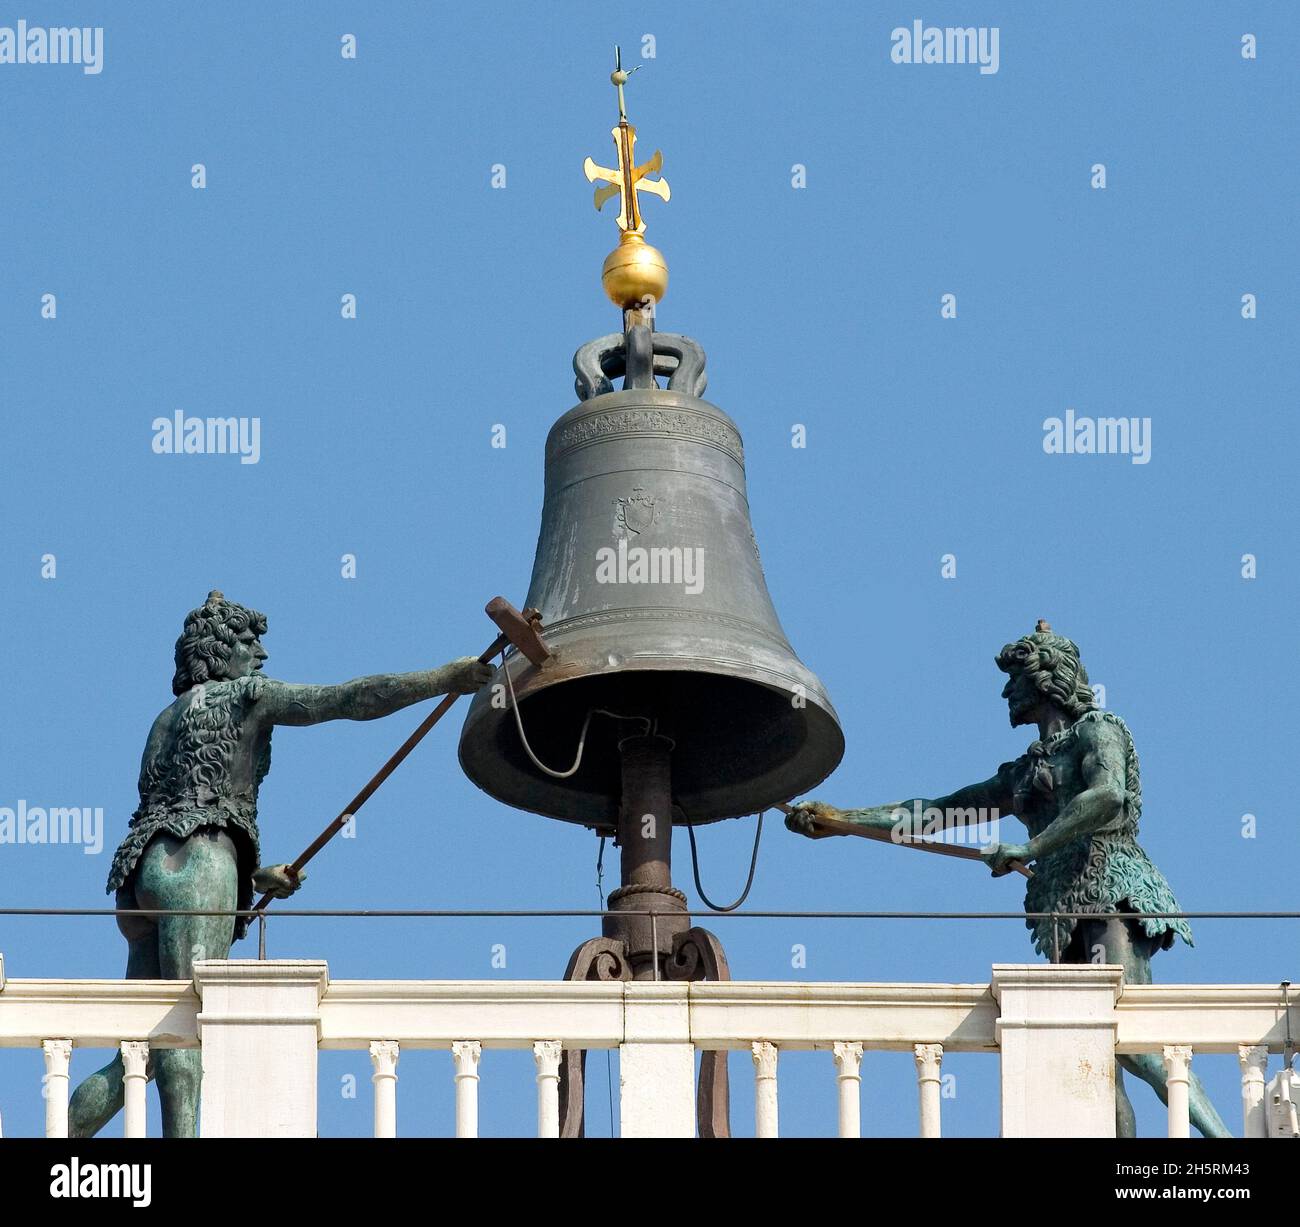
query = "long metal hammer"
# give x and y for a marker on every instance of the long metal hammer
(833, 826)
(523, 630)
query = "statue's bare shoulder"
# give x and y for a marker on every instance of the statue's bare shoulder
(1101, 748)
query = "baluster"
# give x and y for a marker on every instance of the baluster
(546, 1053)
(1178, 1060)
(765, 1122)
(383, 1059)
(465, 1054)
(135, 1064)
(848, 1073)
(1254, 1074)
(57, 1054)
(929, 1057)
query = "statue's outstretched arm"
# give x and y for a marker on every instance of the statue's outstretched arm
(972, 805)
(366, 698)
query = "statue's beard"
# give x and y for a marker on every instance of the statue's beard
(1022, 713)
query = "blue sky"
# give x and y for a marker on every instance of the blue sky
(818, 306)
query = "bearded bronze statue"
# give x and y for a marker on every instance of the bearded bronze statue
(1078, 791)
(193, 843)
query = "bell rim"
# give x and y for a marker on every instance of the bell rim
(482, 726)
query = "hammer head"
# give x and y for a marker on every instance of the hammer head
(522, 629)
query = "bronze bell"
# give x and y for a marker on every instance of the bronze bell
(655, 608)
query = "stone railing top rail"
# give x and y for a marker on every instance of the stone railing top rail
(727, 1015)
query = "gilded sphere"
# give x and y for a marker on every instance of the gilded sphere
(633, 272)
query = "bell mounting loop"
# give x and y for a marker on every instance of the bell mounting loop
(662, 355)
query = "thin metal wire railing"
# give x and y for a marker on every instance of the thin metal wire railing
(553, 913)
(261, 916)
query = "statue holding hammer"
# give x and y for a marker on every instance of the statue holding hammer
(193, 842)
(1078, 791)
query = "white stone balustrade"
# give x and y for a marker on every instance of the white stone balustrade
(1254, 1066)
(848, 1073)
(135, 1062)
(765, 1115)
(383, 1059)
(1178, 1067)
(1055, 1028)
(465, 1056)
(929, 1058)
(259, 1026)
(57, 1054)
(546, 1054)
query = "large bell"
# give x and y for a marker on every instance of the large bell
(652, 596)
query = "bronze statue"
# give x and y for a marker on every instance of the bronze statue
(193, 841)
(1078, 791)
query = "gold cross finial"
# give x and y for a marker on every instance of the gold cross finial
(629, 178)
(635, 275)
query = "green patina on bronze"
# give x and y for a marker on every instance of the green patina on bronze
(193, 842)
(1078, 791)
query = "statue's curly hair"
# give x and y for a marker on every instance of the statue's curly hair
(208, 638)
(1053, 663)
